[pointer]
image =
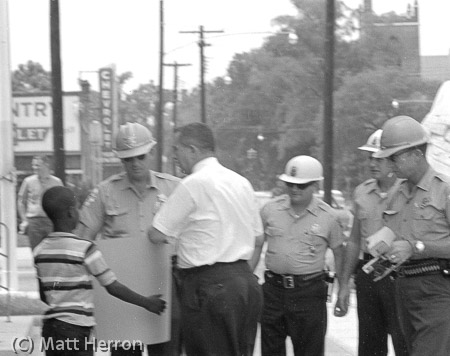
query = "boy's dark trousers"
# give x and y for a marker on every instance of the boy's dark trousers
(64, 339)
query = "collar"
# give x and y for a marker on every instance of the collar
(153, 182)
(373, 186)
(425, 182)
(312, 208)
(206, 162)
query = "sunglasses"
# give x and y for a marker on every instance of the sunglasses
(130, 159)
(299, 186)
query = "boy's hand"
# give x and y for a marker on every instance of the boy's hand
(155, 304)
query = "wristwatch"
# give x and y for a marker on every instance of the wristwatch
(419, 246)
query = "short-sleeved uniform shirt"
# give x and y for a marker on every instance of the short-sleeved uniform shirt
(423, 214)
(370, 204)
(214, 215)
(64, 265)
(296, 244)
(116, 209)
(32, 190)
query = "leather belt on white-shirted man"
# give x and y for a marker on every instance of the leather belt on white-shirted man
(290, 281)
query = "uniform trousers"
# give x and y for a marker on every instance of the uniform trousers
(298, 312)
(64, 339)
(377, 316)
(220, 307)
(38, 228)
(424, 307)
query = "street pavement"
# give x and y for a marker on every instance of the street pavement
(341, 338)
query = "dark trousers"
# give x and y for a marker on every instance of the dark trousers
(37, 229)
(221, 306)
(423, 303)
(170, 348)
(300, 313)
(61, 338)
(378, 317)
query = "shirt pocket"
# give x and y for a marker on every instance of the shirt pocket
(118, 221)
(423, 219)
(274, 239)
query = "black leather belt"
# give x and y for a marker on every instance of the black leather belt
(290, 281)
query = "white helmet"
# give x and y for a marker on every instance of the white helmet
(132, 140)
(373, 142)
(302, 169)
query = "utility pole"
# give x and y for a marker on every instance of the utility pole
(57, 108)
(175, 66)
(8, 211)
(202, 44)
(328, 101)
(160, 122)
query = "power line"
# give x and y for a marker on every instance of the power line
(202, 44)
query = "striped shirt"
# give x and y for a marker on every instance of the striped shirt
(64, 264)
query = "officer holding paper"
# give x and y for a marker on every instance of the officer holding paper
(377, 316)
(419, 216)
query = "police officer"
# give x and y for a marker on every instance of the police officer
(123, 205)
(419, 215)
(377, 316)
(299, 229)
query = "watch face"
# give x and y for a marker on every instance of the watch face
(420, 246)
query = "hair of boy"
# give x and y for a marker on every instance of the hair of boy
(197, 134)
(57, 200)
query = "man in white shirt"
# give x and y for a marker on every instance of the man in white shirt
(214, 216)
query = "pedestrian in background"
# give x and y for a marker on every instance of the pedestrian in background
(213, 214)
(377, 312)
(34, 222)
(64, 265)
(123, 206)
(419, 216)
(298, 228)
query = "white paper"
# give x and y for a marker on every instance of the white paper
(145, 268)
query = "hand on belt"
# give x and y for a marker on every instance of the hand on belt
(290, 281)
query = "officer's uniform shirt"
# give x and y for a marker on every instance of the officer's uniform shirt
(214, 214)
(296, 244)
(370, 204)
(424, 214)
(116, 209)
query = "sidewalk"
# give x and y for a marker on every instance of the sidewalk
(341, 338)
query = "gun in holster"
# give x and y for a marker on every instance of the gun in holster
(329, 278)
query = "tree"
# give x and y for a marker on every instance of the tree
(31, 77)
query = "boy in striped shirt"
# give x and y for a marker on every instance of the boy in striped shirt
(64, 263)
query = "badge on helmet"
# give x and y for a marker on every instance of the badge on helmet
(132, 140)
(302, 169)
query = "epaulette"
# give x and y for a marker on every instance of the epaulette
(369, 182)
(280, 199)
(114, 178)
(166, 176)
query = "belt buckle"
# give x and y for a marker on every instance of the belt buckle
(288, 282)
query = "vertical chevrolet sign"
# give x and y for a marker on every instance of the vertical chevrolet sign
(107, 112)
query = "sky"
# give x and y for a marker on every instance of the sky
(98, 33)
